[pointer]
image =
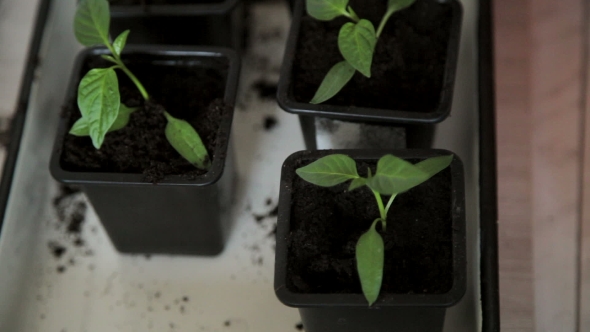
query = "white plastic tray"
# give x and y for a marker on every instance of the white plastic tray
(93, 288)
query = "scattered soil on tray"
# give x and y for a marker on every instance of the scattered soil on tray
(70, 210)
(71, 214)
(267, 223)
(270, 122)
(141, 147)
(270, 214)
(56, 249)
(326, 224)
(408, 65)
(266, 90)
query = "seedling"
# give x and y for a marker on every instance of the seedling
(356, 41)
(393, 177)
(98, 93)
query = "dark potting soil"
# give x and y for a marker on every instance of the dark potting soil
(162, 2)
(190, 93)
(408, 65)
(326, 224)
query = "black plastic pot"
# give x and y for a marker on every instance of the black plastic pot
(346, 312)
(418, 125)
(209, 24)
(175, 215)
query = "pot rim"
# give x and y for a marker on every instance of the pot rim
(222, 8)
(287, 103)
(301, 300)
(106, 178)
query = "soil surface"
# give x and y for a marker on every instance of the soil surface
(190, 93)
(326, 224)
(408, 65)
(162, 2)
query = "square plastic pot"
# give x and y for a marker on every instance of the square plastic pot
(213, 24)
(345, 312)
(175, 215)
(419, 126)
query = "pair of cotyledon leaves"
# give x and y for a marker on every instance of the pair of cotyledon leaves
(393, 176)
(98, 93)
(356, 41)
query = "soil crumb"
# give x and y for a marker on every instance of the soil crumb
(56, 249)
(266, 90)
(77, 218)
(270, 214)
(270, 122)
(299, 327)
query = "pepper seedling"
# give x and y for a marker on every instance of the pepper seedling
(392, 177)
(356, 41)
(98, 93)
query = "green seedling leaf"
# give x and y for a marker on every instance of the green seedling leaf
(326, 10)
(120, 41)
(353, 14)
(395, 175)
(357, 45)
(396, 5)
(187, 142)
(91, 22)
(435, 164)
(122, 118)
(99, 102)
(357, 183)
(369, 262)
(329, 170)
(80, 128)
(109, 58)
(334, 81)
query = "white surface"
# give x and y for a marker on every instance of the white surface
(105, 291)
(16, 26)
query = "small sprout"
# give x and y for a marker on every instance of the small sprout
(99, 99)
(393, 177)
(356, 41)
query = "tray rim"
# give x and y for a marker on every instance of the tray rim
(489, 284)
(488, 188)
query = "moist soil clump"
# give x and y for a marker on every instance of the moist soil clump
(270, 122)
(326, 224)
(189, 93)
(408, 64)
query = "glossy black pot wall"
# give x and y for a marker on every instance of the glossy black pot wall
(211, 24)
(349, 312)
(175, 215)
(419, 126)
